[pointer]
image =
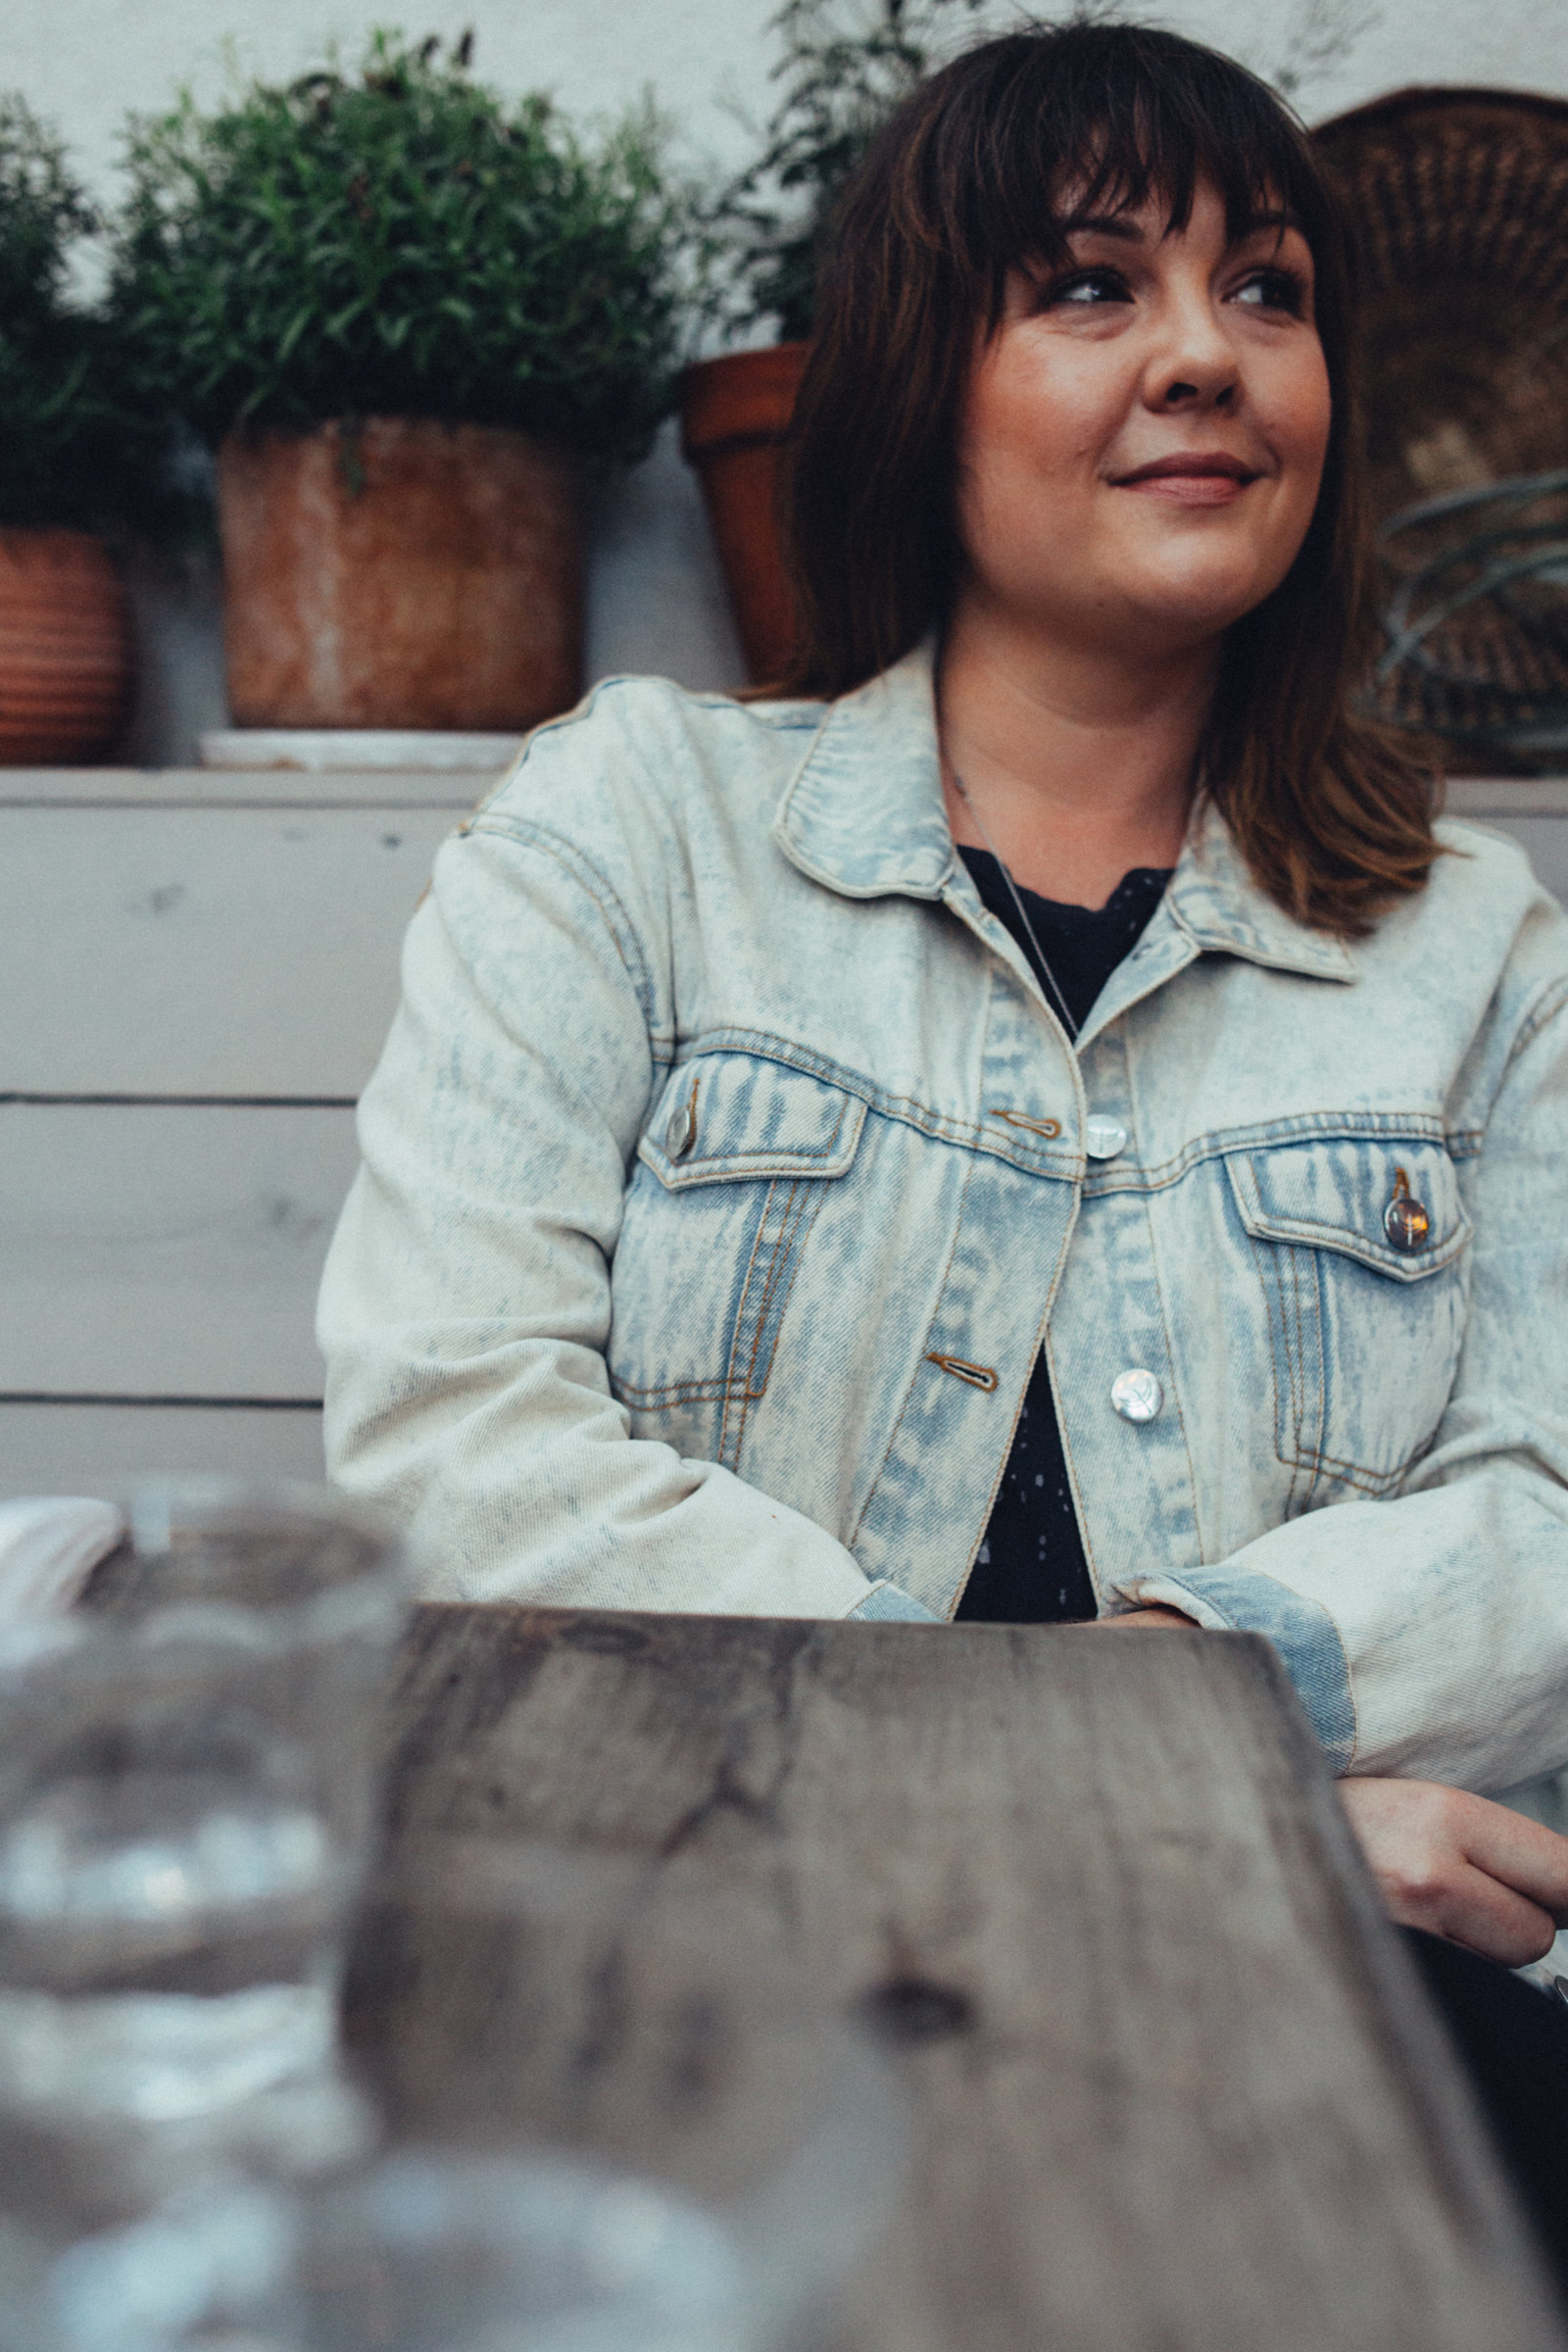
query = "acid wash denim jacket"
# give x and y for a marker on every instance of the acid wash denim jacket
(727, 1168)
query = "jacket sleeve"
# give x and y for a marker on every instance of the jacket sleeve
(1426, 1634)
(466, 1306)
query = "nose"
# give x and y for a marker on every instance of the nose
(1195, 365)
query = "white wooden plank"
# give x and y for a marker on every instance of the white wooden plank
(1507, 796)
(219, 788)
(204, 950)
(335, 750)
(103, 1449)
(251, 952)
(162, 1252)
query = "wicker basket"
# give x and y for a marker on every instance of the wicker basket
(1460, 197)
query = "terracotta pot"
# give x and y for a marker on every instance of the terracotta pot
(65, 649)
(734, 415)
(399, 573)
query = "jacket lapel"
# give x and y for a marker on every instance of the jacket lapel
(863, 815)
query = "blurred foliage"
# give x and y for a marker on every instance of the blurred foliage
(76, 449)
(847, 64)
(395, 240)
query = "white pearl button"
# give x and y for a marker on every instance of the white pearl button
(1137, 1393)
(1103, 1138)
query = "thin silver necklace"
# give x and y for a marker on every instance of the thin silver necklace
(962, 791)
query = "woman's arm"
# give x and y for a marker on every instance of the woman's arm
(467, 1301)
(1451, 1863)
(1428, 1633)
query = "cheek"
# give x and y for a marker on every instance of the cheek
(1304, 412)
(1028, 420)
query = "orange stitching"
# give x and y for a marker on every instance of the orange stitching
(756, 1162)
(782, 1260)
(730, 1391)
(668, 1393)
(784, 1255)
(739, 1394)
(970, 1165)
(1016, 1118)
(978, 1376)
(784, 1250)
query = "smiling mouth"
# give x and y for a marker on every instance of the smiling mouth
(1188, 465)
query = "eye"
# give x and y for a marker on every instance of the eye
(1273, 289)
(1087, 288)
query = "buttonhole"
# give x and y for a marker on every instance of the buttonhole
(978, 1376)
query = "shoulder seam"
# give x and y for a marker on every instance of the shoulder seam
(529, 833)
(1549, 1002)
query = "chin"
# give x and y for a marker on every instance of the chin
(1190, 610)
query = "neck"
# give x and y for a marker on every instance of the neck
(1079, 762)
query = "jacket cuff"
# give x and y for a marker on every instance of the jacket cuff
(1300, 1630)
(886, 1603)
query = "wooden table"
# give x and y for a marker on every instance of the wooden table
(1174, 2084)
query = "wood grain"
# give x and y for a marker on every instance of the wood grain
(149, 1251)
(75, 1449)
(219, 951)
(1176, 2087)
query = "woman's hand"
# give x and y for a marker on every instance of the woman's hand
(1461, 1867)
(1451, 1863)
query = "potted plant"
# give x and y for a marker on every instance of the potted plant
(405, 313)
(847, 64)
(64, 625)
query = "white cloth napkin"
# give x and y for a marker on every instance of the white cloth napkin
(49, 1546)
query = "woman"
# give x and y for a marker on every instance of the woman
(1033, 1121)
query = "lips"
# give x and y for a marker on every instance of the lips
(1190, 464)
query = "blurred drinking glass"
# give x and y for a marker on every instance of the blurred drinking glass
(619, 2120)
(188, 1770)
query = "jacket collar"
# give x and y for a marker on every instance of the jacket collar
(864, 814)
(1217, 903)
(863, 811)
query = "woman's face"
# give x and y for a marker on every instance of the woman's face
(1142, 438)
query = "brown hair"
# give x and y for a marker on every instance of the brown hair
(1333, 815)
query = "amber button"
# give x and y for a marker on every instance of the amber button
(1406, 1220)
(1406, 1223)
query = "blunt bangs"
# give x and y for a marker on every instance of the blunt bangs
(1103, 120)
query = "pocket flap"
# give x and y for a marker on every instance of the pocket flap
(1334, 1194)
(724, 1118)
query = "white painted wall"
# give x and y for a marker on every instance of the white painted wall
(654, 599)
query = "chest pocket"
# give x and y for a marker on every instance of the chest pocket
(737, 1158)
(1359, 1245)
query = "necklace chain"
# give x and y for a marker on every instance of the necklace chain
(1051, 981)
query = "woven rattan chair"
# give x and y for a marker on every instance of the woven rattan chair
(1460, 197)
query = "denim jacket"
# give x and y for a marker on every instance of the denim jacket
(727, 1168)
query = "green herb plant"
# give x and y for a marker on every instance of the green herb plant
(75, 452)
(845, 65)
(397, 240)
